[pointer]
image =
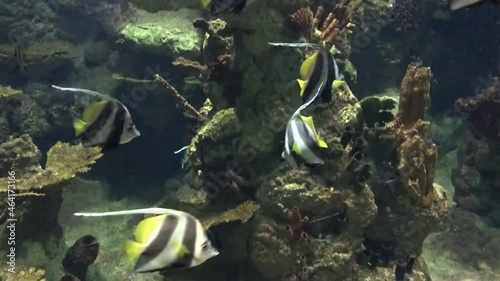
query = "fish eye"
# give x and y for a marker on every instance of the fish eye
(130, 127)
(205, 246)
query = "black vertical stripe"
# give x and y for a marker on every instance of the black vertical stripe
(326, 95)
(189, 241)
(160, 242)
(309, 140)
(116, 132)
(96, 130)
(314, 78)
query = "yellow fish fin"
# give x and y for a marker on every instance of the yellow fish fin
(92, 110)
(79, 126)
(307, 66)
(182, 251)
(295, 148)
(309, 122)
(205, 3)
(146, 226)
(302, 85)
(337, 84)
(133, 249)
(321, 143)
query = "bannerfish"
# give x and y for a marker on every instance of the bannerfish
(302, 139)
(218, 7)
(319, 73)
(106, 123)
(463, 4)
(174, 239)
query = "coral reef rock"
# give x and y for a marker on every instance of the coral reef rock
(175, 37)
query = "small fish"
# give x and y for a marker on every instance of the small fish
(185, 163)
(319, 73)
(174, 239)
(218, 7)
(463, 4)
(19, 54)
(302, 139)
(106, 123)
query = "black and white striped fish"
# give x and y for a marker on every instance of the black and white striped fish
(319, 73)
(106, 123)
(302, 140)
(218, 7)
(174, 239)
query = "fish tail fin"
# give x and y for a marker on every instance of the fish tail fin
(294, 45)
(205, 4)
(79, 126)
(132, 249)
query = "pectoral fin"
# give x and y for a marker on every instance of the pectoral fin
(79, 126)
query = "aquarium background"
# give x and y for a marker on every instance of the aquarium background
(409, 188)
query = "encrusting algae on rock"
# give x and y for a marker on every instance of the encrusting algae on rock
(241, 213)
(64, 161)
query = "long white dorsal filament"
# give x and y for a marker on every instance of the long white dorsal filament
(152, 211)
(84, 91)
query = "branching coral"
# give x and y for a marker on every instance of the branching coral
(218, 56)
(406, 14)
(324, 31)
(242, 213)
(8, 91)
(416, 159)
(64, 161)
(187, 109)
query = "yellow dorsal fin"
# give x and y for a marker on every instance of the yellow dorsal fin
(307, 66)
(79, 126)
(133, 249)
(146, 226)
(337, 84)
(92, 110)
(310, 122)
(205, 3)
(302, 85)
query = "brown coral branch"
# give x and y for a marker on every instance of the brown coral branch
(302, 21)
(187, 108)
(189, 64)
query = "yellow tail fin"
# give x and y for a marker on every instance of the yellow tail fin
(79, 126)
(133, 249)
